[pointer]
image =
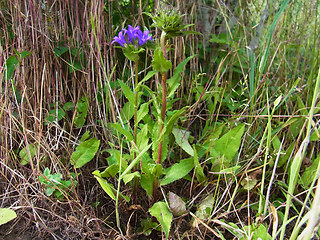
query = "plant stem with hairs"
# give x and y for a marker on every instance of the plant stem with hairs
(163, 115)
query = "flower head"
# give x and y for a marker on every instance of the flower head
(143, 37)
(131, 33)
(120, 39)
(132, 36)
(168, 20)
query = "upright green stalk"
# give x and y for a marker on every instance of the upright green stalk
(136, 106)
(135, 182)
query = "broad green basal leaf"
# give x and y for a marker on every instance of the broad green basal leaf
(85, 152)
(27, 153)
(161, 212)
(177, 171)
(6, 215)
(228, 144)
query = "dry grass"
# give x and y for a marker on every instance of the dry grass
(43, 81)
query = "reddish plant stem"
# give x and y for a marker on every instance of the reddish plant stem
(163, 114)
(163, 118)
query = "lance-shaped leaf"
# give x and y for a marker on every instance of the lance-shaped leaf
(177, 171)
(127, 92)
(161, 212)
(182, 137)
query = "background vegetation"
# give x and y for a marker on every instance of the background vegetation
(252, 119)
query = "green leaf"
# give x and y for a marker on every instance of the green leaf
(82, 111)
(230, 170)
(228, 144)
(53, 183)
(164, 136)
(161, 212)
(197, 167)
(258, 233)
(142, 112)
(147, 181)
(315, 135)
(74, 65)
(173, 119)
(60, 50)
(310, 173)
(191, 32)
(128, 177)
(127, 111)
(156, 169)
(222, 38)
(204, 210)
(53, 115)
(108, 188)
(24, 154)
(146, 78)
(152, 172)
(276, 143)
(159, 62)
(85, 136)
(116, 156)
(182, 137)
(147, 225)
(6, 215)
(135, 161)
(110, 171)
(277, 101)
(177, 171)
(24, 54)
(154, 98)
(127, 92)
(85, 152)
(284, 158)
(68, 106)
(249, 183)
(11, 63)
(155, 140)
(174, 81)
(132, 53)
(142, 137)
(123, 131)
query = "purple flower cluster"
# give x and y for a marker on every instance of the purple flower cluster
(132, 36)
